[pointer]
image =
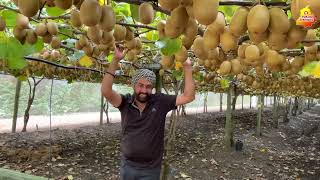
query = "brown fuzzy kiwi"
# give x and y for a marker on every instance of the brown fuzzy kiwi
(31, 36)
(146, 13)
(90, 12)
(94, 34)
(75, 18)
(108, 18)
(22, 21)
(119, 32)
(63, 4)
(19, 33)
(47, 38)
(169, 4)
(205, 11)
(52, 28)
(55, 43)
(160, 27)
(29, 8)
(41, 29)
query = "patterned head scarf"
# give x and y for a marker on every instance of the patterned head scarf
(145, 74)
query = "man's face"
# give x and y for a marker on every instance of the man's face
(143, 90)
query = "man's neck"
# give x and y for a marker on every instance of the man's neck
(140, 105)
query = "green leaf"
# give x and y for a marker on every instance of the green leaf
(54, 11)
(134, 9)
(310, 67)
(177, 74)
(67, 31)
(39, 45)
(303, 73)
(3, 50)
(16, 62)
(198, 76)
(109, 58)
(224, 83)
(169, 46)
(22, 77)
(10, 17)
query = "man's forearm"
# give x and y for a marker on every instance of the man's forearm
(189, 85)
(107, 81)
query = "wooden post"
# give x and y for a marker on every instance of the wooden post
(16, 106)
(242, 102)
(158, 82)
(259, 117)
(250, 101)
(228, 137)
(274, 112)
(101, 109)
(221, 96)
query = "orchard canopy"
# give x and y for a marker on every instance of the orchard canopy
(264, 46)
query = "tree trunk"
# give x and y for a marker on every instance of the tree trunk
(295, 107)
(242, 102)
(250, 101)
(106, 110)
(158, 82)
(101, 109)
(205, 100)
(259, 117)
(32, 93)
(16, 106)
(228, 138)
(221, 96)
(285, 111)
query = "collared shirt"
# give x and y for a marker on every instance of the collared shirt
(142, 140)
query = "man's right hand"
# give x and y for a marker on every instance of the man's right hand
(118, 54)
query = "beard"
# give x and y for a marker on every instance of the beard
(142, 97)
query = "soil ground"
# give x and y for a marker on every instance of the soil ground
(291, 151)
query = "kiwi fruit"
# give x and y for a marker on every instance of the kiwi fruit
(90, 12)
(55, 43)
(63, 4)
(219, 23)
(199, 49)
(314, 6)
(31, 36)
(119, 32)
(181, 55)
(75, 18)
(279, 22)
(94, 34)
(2, 24)
(257, 38)
(160, 27)
(236, 66)
(77, 45)
(238, 23)
(252, 53)
(225, 68)
(192, 28)
(107, 37)
(273, 58)
(52, 28)
(311, 35)
(205, 11)
(47, 38)
(277, 41)
(172, 30)
(108, 18)
(211, 38)
(169, 4)
(228, 41)
(19, 33)
(258, 19)
(241, 50)
(88, 50)
(187, 41)
(22, 21)
(131, 44)
(146, 13)
(29, 8)
(131, 56)
(167, 62)
(41, 29)
(179, 17)
(129, 34)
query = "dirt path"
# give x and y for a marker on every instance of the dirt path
(92, 152)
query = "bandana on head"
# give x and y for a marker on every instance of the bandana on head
(144, 74)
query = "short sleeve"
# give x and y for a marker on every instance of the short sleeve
(168, 102)
(123, 101)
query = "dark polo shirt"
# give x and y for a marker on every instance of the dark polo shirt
(142, 140)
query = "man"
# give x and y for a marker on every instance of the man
(143, 117)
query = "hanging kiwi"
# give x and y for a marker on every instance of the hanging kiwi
(238, 23)
(181, 55)
(279, 22)
(211, 38)
(146, 13)
(219, 23)
(94, 34)
(225, 68)
(314, 6)
(311, 35)
(179, 17)
(199, 49)
(205, 11)
(52, 28)
(90, 12)
(129, 34)
(75, 18)
(63, 4)
(169, 4)
(167, 62)
(55, 43)
(131, 44)
(28, 8)
(228, 41)
(31, 36)
(258, 19)
(191, 29)
(88, 50)
(41, 29)
(119, 32)
(160, 27)
(172, 30)
(252, 53)
(108, 18)
(22, 21)
(19, 33)
(47, 38)
(107, 37)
